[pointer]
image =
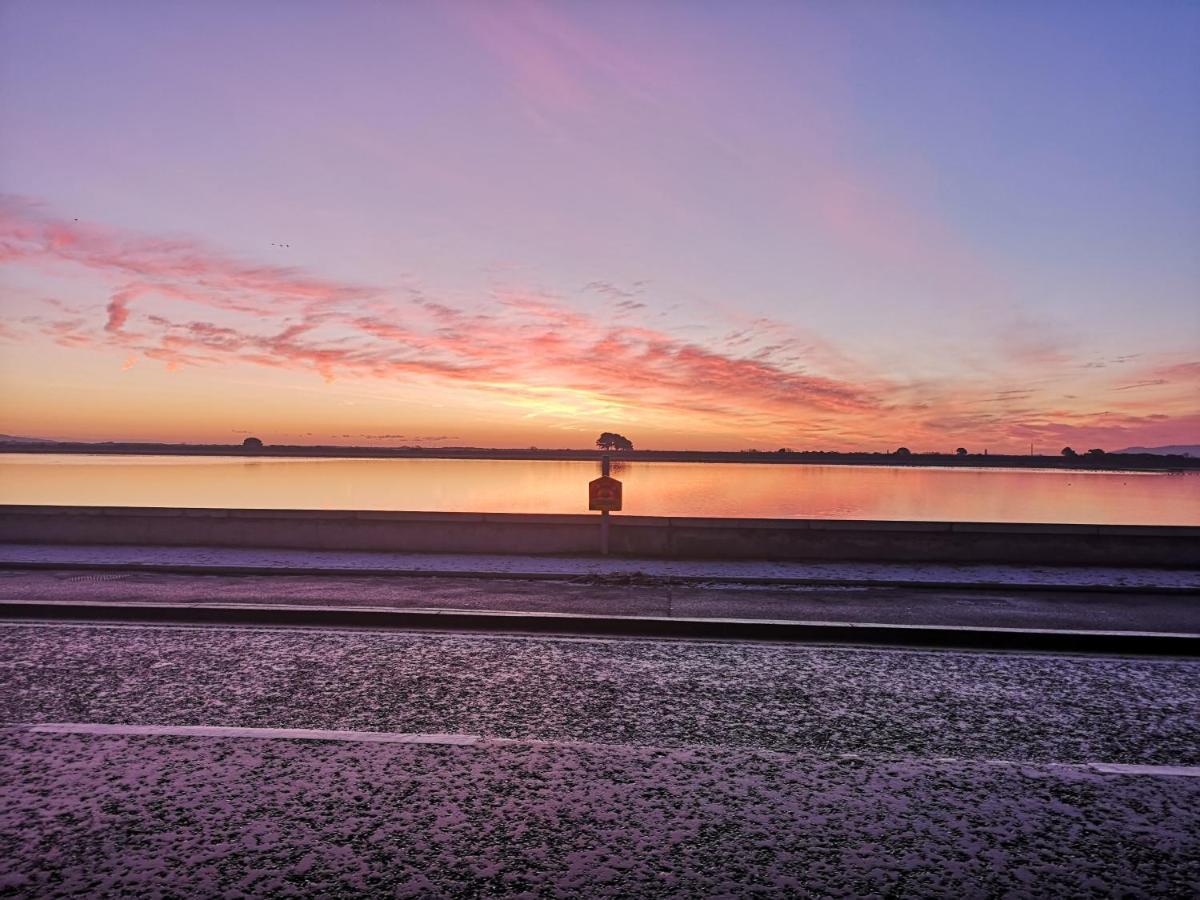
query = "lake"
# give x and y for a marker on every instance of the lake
(663, 489)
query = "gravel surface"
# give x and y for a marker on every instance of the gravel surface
(106, 816)
(900, 606)
(892, 703)
(607, 768)
(576, 566)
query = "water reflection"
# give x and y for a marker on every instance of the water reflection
(616, 467)
(683, 489)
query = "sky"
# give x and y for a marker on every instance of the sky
(707, 225)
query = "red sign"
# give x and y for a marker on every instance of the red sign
(604, 494)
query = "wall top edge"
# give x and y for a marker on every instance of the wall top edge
(618, 521)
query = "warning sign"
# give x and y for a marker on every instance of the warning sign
(604, 494)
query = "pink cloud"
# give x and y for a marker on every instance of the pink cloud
(183, 267)
(118, 307)
(184, 304)
(557, 63)
(1187, 373)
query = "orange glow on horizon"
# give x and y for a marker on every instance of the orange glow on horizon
(202, 348)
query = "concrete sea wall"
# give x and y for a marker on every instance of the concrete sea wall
(643, 536)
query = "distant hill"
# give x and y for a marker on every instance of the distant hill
(1170, 450)
(17, 439)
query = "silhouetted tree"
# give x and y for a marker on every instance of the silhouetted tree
(252, 443)
(609, 440)
(961, 451)
(1095, 451)
(1067, 451)
(903, 451)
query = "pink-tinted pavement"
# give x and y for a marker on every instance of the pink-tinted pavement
(122, 816)
(602, 768)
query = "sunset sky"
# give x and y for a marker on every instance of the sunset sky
(703, 225)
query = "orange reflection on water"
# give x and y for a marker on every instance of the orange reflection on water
(734, 490)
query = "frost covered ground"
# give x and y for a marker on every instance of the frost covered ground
(654, 693)
(300, 560)
(228, 818)
(629, 768)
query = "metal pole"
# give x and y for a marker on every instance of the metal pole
(605, 468)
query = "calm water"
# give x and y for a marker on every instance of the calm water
(683, 489)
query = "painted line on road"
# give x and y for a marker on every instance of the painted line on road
(469, 740)
(1133, 769)
(233, 731)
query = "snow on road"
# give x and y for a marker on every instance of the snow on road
(660, 693)
(601, 768)
(108, 816)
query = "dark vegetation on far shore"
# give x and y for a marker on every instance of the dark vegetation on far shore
(1084, 461)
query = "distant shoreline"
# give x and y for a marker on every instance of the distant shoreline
(1121, 462)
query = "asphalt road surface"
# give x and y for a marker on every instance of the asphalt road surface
(633, 596)
(565, 767)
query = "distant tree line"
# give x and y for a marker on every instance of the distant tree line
(905, 451)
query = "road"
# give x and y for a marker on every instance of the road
(586, 767)
(634, 596)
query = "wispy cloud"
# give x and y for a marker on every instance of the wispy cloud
(556, 63)
(281, 317)
(184, 304)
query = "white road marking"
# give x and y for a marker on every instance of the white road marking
(1134, 769)
(223, 731)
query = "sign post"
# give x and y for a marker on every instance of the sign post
(604, 494)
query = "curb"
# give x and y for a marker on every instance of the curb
(618, 578)
(1134, 643)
